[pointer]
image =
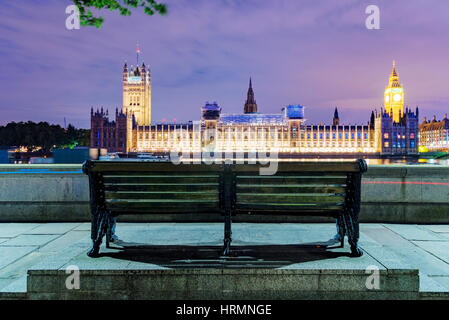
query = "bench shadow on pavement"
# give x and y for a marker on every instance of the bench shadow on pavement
(209, 256)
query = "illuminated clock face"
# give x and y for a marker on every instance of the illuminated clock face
(397, 97)
(387, 98)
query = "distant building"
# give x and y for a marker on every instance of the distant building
(137, 93)
(392, 131)
(397, 138)
(105, 134)
(434, 135)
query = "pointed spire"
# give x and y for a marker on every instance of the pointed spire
(137, 53)
(336, 119)
(394, 78)
(250, 105)
(393, 72)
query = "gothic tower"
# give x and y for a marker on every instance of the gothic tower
(250, 104)
(394, 96)
(137, 92)
(336, 119)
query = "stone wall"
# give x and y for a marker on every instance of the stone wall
(390, 193)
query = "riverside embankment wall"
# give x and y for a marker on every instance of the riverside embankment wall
(390, 193)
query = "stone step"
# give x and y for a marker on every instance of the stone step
(207, 284)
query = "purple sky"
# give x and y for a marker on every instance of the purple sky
(316, 53)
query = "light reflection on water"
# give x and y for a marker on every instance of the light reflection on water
(407, 161)
(371, 161)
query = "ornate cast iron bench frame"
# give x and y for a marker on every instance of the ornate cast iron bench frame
(297, 188)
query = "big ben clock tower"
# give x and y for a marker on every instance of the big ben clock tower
(394, 96)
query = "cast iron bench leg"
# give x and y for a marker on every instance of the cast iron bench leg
(109, 231)
(340, 236)
(102, 222)
(352, 228)
(227, 235)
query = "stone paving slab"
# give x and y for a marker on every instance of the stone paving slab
(4, 282)
(442, 280)
(415, 232)
(11, 254)
(435, 248)
(85, 226)
(18, 285)
(407, 252)
(30, 240)
(53, 228)
(437, 227)
(19, 267)
(432, 284)
(10, 230)
(66, 240)
(57, 261)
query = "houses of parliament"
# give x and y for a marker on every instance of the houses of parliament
(389, 132)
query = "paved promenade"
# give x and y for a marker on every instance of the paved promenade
(25, 246)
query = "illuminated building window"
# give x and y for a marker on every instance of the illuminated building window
(321, 136)
(352, 135)
(314, 136)
(386, 135)
(333, 136)
(346, 136)
(366, 136)
(386, 144)
(339, 136)
(359, 135)
(412, 135)
(327, 135)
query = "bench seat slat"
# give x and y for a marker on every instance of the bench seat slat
(161, 205)
(163, 210)
(161, 187)
(160, 179)
(161, 195)
(284, 180)
(296, 212)
(273, 207)
(292, 189)
(284, 198)
(165, 167)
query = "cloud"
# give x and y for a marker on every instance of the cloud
(317, 53)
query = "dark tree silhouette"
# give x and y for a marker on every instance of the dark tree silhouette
(30, 135)
(88, 19)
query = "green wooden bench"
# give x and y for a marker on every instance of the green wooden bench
(297, 188)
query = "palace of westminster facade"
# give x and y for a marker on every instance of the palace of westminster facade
(392, 131)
